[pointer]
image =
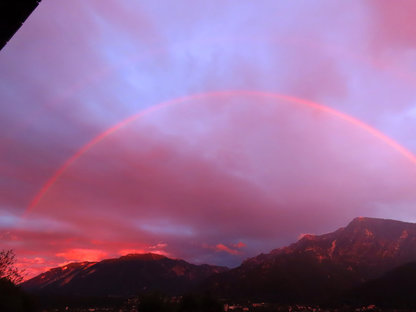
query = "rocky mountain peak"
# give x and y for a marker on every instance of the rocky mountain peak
(370, 243)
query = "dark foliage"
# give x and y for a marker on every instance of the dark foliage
(51, 302)
(157, 302)
(13, 299)
(200, 303)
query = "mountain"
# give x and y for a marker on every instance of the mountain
(315, 269)
(396, 288)
(320, 267)
(125, 276)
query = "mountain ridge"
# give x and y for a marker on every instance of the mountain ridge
(320, 267)
(316, 268)
(123, 276)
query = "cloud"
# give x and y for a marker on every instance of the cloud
(222, 247)
(239, 245)
(240, 174)
(392, 25)
(79, 255)
(210, 171)
(157, 249)
(231, 249)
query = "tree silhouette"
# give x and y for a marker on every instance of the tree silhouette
(8, 269)
(12, 297)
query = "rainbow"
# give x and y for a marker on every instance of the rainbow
(294, 100)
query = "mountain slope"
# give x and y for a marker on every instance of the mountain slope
(125, 276)
(320, 267)
(396, 288)
(317, 268)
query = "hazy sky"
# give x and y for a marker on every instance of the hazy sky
(203, 130)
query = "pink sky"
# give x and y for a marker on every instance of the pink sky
(215, 178)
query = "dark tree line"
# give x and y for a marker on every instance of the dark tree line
(12, 298)
(8, 269)
(157, 302)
